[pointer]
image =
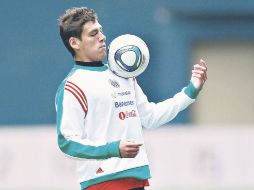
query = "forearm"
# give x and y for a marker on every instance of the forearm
(154, 115)
(81, 149)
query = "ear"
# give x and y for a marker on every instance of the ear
(74, 43)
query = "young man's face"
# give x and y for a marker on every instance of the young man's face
(92, 46)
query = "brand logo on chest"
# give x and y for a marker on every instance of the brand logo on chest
(123, 104)
(127, 114)
(120, 94)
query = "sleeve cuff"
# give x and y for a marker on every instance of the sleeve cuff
(191, 91)
(113, 149)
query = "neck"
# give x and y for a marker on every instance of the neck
(89, 64)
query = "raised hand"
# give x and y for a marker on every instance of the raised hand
(199, 74)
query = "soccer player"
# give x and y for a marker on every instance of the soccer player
(100, 115)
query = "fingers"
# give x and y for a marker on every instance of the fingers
(129, 149)
(131, 152)
(131, 155)
(199, 74)
(132, 144)
(203, 63)
(200, 70)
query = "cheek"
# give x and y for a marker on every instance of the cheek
(89, 46)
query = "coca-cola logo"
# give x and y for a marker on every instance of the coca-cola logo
(127, 114)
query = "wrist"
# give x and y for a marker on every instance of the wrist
(113, 149)
(191, 91)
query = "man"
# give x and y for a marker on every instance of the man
(100, 115)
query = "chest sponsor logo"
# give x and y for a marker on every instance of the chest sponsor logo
(114, 83)
(127, 114)
(117, 94)
(123, 104)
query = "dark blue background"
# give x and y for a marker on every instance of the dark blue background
(34, 61)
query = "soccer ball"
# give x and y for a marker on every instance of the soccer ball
(128, 56)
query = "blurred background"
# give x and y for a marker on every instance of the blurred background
(210, 145)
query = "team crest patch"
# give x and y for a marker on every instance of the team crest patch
(114, 83)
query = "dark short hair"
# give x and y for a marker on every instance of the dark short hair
(71, 24)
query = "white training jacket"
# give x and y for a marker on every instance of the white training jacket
(96, 109)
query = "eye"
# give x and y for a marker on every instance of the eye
(94, 33)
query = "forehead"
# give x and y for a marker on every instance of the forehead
(90, 26)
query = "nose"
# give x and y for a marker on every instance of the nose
(102, 37)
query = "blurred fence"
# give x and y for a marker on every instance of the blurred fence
(181, 158)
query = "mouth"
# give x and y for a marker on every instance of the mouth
(103, 46)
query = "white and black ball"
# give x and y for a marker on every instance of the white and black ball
(128, 56)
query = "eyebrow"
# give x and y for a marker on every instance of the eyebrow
(95, 30)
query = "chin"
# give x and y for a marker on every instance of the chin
(102, 57)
